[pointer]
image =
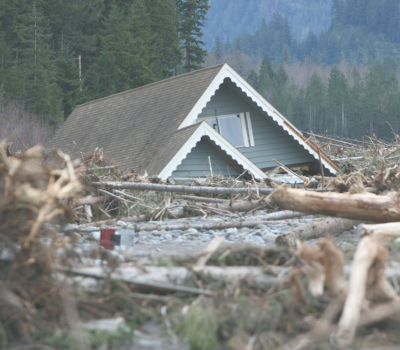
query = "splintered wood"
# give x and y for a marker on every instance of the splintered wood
(324, 267)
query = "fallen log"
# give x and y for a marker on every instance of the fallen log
(280, 215)
(382, 230)
(138, 186)
(241, 206)
(98, 273)
(315, 230)
(161, 279)
(205, 199)
(347, 159)
(202, 225)
(217, 225)
(363, 207)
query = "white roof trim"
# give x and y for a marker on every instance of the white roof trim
(206, 130)
(228, 72)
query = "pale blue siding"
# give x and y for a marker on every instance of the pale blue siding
(271, 141)
(196, 163)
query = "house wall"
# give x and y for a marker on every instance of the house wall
(196, 163)
(271, 141)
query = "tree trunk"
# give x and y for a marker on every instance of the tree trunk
(363, 207)
(174, 188)
(315, 230)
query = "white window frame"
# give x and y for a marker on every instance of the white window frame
(247, 130)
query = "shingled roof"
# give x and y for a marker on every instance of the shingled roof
(139, 127)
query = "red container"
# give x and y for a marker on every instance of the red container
(105, 236)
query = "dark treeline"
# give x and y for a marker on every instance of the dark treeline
(121, 44)
(360, 31)
(348, 107)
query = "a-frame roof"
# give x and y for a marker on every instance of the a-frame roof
(139, 127)
(145, 129)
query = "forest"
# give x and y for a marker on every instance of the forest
(341, 79)
(56, 54)
(227, 19)
(352, 88)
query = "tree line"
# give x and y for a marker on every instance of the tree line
(56, 54)
(360, 31)
(367, 104)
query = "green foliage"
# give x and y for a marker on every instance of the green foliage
(200, 328)
(123, 44)
(193, 14)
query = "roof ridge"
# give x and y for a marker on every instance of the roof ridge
(151, 84)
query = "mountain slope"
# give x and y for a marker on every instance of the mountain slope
(228, 18)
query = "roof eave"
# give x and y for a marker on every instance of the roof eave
(228, 72)
(206, 130)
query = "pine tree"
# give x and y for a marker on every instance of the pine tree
(253, 79)
(117, 39)
(338, 99)
(266, 77)
(68, 79)
(193, 16)
(315, 104)
(165, 23)
(101, 79)
(37, 69)
(218, 50)
(337, 11)
(147, 65)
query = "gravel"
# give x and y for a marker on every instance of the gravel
(169, 241)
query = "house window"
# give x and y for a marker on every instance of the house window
(234, 128)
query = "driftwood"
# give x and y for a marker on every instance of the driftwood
(88, 200)
(347, 159)
(364, 207)
(173, 188)
(209, 251)
(205, 199)
(382, 230)
(315, 230)
(215, 225)
(142, 284)
(126, 195)
(160, 279)
(202, 225)
(324, 266)
(366, 276)
(280, 215)
(88, 212)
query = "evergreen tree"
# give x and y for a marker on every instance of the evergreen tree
(218, 49)
(117, 39)
(266, 77)
(315, 104)
(337, 11)
(68, 79)
(37, 69)
(338, 99)
(193, 16)
(101, 79)
(253, 79)
(147, 65)
(165, 23)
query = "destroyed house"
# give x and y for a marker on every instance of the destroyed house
(209, 120)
